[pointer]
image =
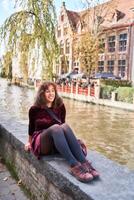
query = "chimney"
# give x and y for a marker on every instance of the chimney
(63, 4)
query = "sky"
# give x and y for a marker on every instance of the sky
(7, 7)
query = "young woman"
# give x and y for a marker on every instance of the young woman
(48, 133)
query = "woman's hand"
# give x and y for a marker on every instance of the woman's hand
(27, 146)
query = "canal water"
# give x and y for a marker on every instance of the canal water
(107, 130)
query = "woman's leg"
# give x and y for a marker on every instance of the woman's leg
(76, 150)
(73, 143)
(54, 136)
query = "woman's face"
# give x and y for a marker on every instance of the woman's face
(50, 95)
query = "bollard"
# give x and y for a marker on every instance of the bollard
(114, 96)
(89, 88)
(97, 91)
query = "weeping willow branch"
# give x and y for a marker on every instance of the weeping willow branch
(38, 19)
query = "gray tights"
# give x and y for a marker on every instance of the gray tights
(63, 139)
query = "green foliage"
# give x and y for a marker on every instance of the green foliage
(2, 74)
(87, 52)
(116, 83)
(106, 91)
(11, 167)
(125, 94)
(38, 19)
(7, 65)
(24, 47)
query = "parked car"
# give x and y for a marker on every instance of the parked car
(106, 75)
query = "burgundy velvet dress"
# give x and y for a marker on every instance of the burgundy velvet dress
(39, 120)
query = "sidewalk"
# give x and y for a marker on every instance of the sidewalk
(9, 189)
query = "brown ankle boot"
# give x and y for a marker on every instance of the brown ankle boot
(87, 166)
(80, 173)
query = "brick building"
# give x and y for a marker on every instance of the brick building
(117, 37)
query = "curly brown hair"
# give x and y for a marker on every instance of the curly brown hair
(40, 100)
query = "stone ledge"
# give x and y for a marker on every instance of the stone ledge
(48, 178)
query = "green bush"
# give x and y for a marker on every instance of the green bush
(116, 83)
(125, 94)
(106, 91)
(3, 75)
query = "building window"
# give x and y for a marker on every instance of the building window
(111, 43)
(59, 33)
(83, 25)
(61, 48)
(65, 31)
(67, 46)
(121, 67)
(101, 45)
(110, 66)
(62, 18)
(75, 64)
(122, 42)
(100, 66)
(67, 64)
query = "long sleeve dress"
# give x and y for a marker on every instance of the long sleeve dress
(39, 120)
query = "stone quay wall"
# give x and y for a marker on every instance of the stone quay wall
(48, 178)
(92, 95)
(95, 100)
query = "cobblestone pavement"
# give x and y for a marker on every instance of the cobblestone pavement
(9, 188)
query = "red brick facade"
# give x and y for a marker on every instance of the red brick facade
(118, 37)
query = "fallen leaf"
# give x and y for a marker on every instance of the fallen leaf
(19, 182)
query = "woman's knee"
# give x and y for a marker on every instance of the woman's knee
(65, 126)
(55, 128)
